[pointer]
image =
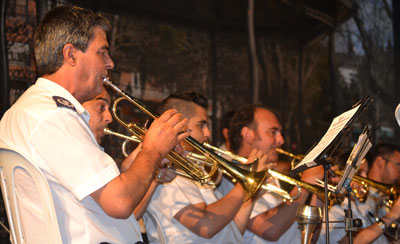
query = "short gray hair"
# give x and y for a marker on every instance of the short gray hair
(60, 26)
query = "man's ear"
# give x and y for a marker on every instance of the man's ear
(69, 53)
(380, 162)
(225, 133)
(247, 135)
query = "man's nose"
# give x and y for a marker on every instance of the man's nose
(206, 133)
(109, 62)
(279, 139)
(107, 116)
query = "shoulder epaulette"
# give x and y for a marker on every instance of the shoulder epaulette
(63, 103)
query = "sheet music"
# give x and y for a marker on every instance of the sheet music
(336, 126)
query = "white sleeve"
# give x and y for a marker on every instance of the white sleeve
(264, 203)
(63, 141)
(174, 196)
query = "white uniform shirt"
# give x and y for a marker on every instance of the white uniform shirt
(49, 127)
(359, 210)
(169, 199)
(265, 202)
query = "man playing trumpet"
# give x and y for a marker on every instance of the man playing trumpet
(187, 211)
(48, 125)
(271, 219)
(383, 167)
(100, 118)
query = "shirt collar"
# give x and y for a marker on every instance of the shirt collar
(58, 90)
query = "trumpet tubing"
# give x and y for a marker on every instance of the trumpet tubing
(385, 203)
(250, 181)
(128, 139)
(107, 131)
(294, 157)
(291, 155)
(384, 188)
(190, 170)
(173, 156)
(227, 153)
(270, 188)
(317, 190)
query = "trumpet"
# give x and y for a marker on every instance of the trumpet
(250, 181)
(270, 188)
(294, 157)
(226, 153)
(202, 160)
(193, 157)
(384, 203)
(391, 191)
(128, 139)
(191, 170)
(319, 191)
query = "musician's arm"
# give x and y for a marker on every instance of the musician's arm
(207, 220)
(372, 232)
(273, 223)
(119, 197)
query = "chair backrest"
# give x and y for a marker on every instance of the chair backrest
(10, 161)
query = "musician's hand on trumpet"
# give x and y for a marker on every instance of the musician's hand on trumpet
(312, 175)
(165, 132)
(393, 214)
(166, 172)
(259, 160)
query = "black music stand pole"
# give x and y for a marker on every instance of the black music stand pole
(327, 167)
(349, 215)
(350, 223)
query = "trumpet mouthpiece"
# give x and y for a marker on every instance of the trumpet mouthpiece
(106, 80)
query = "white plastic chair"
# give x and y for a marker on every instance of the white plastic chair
(10, 161)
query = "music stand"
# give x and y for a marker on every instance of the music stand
(354, 161)
(352, 165)
(321, 153)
